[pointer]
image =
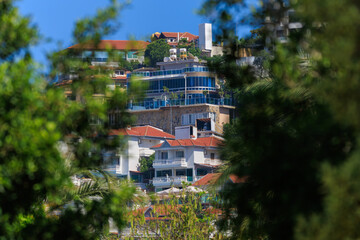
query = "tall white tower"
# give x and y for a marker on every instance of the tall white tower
(205, 36)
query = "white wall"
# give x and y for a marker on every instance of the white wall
(199, 155)
(205, 36)
(146, 144)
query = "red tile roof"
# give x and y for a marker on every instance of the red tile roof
(211, 178)
(236, 179)
(190, 36)
(114, 44)
(202, 142)
(146, 131)
(208, 179)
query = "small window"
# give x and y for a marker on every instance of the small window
(212, 155)
(179, 154)
(119, 73)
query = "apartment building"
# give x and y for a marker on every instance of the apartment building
(124, 162)
(180, 92)
(184, 159)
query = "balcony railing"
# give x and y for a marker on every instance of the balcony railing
(177, 180)
(168, 72)
(169, 180)
(176, 162)
(155, 104)
(212, 161)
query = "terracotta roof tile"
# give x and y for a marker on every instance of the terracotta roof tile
(202, 142)
(114, 44)
(208, 179)
(211, 178)
(236, 179)
(146, 131)
(190, 36)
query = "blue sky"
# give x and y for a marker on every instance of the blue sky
(55, 19)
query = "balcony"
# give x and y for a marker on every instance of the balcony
(173, 181)
(169, 163)
(156, 104)
(144, 152)
(213, 162)
(167, 181)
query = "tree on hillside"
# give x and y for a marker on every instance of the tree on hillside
(156, 51)
(190, 47)
(35, 119)
(176, 216)
(296, 135)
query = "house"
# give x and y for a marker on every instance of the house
(173, 38)
(128, 49)
(125, 163)
(184, 160)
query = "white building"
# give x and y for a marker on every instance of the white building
(139, 141)
(184, 160)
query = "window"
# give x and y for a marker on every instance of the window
(164, 155)
(180, 172)
(119, 73)
(212, 155)
(112, 119)
(164, 173)
(179, 154)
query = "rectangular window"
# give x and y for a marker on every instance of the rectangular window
(164, 155)
(164, 173)
(180, 172)
(179, 154)
(212, 155)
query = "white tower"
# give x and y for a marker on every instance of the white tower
(205, 36)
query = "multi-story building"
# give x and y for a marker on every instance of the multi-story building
(182, 91)
(139, 140)
(184, 160)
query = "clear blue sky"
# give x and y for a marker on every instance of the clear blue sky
(55, 19)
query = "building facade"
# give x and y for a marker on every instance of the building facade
(124, 162)
(184, 160)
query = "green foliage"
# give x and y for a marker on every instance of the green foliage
(297, 134)
(156, 51)
(146, 163)
(37, 197)
(16, 32)
(178, 216)
(190, 47)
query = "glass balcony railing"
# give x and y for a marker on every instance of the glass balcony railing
(155, 104)
(168, 72)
